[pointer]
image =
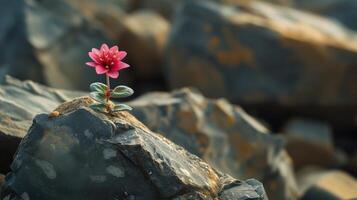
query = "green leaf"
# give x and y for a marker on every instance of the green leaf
(98, 87)
(121, 91)
(100, 97)
(121, 107)
(101, 107)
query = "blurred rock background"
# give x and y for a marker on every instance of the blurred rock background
(275, 81)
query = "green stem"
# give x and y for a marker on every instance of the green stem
(108, 89)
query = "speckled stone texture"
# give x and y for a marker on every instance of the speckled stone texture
(87, 155)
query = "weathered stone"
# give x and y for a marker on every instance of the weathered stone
(63, 62)
(334, 185)
(19, 52)
(310, 136)
(223, 135)
(2, 180)
(352, 164)
(341, 10)
(110, 157)
(144, 34)
(106, 14)
(47, 54)
(259, 53)
(19, 103)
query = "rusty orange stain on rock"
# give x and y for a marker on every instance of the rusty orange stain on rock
(235, 53)
(213, 43)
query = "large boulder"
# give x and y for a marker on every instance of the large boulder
(19, 103)
(144, 34)
(56, 53)
(223, 135)
(260, 53)
(343, 11)
(111, 157)
(19, 52)
(62, 61)
(329, 185)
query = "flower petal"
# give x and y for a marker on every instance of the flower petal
(100, 69)
(94, 57)
(123, 65)
(118, 66)
(91, 64)
(113, 74)
(121, 54)
(104, 47)
(95, 50)
(114, 49)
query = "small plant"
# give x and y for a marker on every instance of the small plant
(108, 61)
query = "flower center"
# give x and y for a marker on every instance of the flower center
(107, 67)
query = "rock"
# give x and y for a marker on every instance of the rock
(342, 10)
(164, 7)
(19, 103)
(224, 135)
(332, 185)
(19, 52)
(107, 14)
(63, 62)
(48, 51)
(111, 157)
(2, 180)
(310, 136)
(352, 164)
(144, 34)
(228, 52)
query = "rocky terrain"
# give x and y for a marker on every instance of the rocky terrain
(258, 100)
(222, 134)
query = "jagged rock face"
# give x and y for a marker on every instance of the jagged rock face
(111, 157)
(19, 103)
(223, 135)
(259, 53)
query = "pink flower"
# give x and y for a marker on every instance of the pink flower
(107, 61)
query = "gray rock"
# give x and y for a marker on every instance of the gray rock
(2, 180)
(48, 52)
(310, 136)
(324, 184)
(260, 53)
(19, 103)
(19, 52)
(343, 11)
(62, 61)
(224, 135)
(111, 157)
(144, 34)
